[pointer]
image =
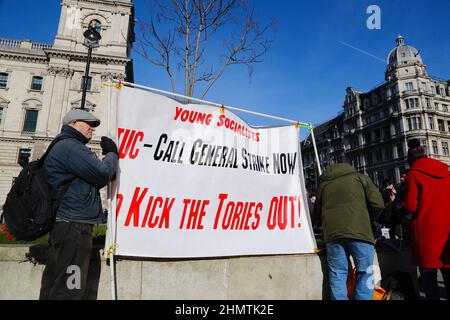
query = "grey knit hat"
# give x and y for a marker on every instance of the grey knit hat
(81, 115)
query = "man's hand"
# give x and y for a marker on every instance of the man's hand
(108, 146)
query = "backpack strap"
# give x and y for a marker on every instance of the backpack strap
(63, 192)
(41, 162)
(50, 147)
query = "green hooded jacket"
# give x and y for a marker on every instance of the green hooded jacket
(347, 203)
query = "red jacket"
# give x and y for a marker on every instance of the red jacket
(427, 196)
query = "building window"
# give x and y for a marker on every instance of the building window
(445, 108)
(395, 107)
(435, 147)
(369, 158)
(1, 114)
(24, 156)
(424, 144)
(3, 80)
(400, 153)
(424, 86)
(428, 102)
(436, 106)
(397, 127)
(389, 155)
(375, 100)
(375, 117)
(350, 112)
(448, 126)
(353, 142)
(387, 132)
(441, 125)
(409, 86)
(412, 103)
(88, 85)
(394, 90)
(36, 83)
(433, 90)
(415, 123)
(445, 149)
(368, 138)
(377, 134)
(30, 121)
(378, 156)
(430, 123)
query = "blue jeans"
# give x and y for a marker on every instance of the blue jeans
(338, 253)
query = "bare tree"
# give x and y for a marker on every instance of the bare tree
(180, 34)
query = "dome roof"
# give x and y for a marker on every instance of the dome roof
(403, 54)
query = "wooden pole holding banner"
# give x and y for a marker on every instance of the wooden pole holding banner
(111, 208)
(303, 187)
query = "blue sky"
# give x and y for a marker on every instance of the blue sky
(305, 75)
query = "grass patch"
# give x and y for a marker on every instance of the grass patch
(98, 233)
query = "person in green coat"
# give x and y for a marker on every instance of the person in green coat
(347, 204)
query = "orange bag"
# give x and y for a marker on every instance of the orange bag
(378, 293)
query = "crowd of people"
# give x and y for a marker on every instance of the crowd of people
(354, 215)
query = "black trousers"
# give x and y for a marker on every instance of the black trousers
(68, 257)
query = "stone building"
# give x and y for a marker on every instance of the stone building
(40, 82)
(375, 126)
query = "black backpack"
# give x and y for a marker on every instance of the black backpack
(29, 210)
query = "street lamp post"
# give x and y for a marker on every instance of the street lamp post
(91, 40)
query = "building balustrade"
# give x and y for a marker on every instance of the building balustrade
(25, 44)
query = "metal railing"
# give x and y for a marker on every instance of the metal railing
(40, 45)
(12, 43)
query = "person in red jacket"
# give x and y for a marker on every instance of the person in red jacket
(426, 197)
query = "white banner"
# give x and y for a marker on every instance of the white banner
(197, 181)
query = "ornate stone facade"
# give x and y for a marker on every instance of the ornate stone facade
(373, 130)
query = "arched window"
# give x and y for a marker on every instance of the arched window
(31, 107)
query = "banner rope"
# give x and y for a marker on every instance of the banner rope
(111, 249)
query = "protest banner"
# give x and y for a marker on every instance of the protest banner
(198, 181)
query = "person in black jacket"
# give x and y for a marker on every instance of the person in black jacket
(74, 169)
